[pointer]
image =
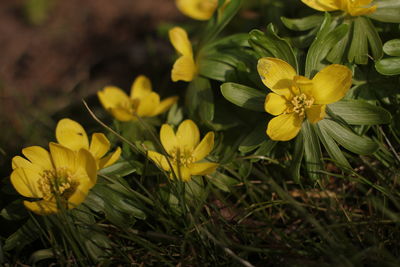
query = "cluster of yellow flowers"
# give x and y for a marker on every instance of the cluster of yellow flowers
(62, 177)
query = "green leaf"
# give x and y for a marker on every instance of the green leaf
(347, 138)
(271, 45)
(223, 181)
(358, 112)
(199, 99)
(312, 150)
(40, 255)
(332, 148)
(254, 139)
(214, 69)
(244, 96)
(217, 23)
(303, 24)
(388, 66)
(14, 211)
(298, 155)
(25, 235)
(121, 168)
(387, 11)
(325, 40)
(392, 48)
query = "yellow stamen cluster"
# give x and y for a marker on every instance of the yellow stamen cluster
(182, 158)
(301, 103)
(56, 182)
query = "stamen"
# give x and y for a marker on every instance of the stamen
(57, 182)
(182, 158)
(301, 103)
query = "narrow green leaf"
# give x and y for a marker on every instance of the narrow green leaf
(348, 139)
(244, 96)
(358, 51)
(392, 48)
(223, 181)
(254, 139)
(26, 234)
(298, 155)
(303, 24)
(332, 148)
(312, 150)
(358, 112)
(388, 66)
(270, 44)
(325, 40)
(199, 99)
(387, 11)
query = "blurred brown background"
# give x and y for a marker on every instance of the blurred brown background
(53, 53)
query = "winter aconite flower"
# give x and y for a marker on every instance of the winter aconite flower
(184, 68)
(296, 97)
(71, 134)
(143, 102)
(352, 7)
(197, 9)
(184, 151)
(55, 181)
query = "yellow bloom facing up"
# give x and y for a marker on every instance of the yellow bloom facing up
(143, 102)
(197, 9)
(184, 68)
(352, 7)
(184, 151)
(295, 97)
(71, 134)
(57, 180)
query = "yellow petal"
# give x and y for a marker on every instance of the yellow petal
(148, 105)
(168, 138)
(316, 113)
(122, 114)
(284, 127)
(62, 157)
(71, 134)
(86, 170)
(331, 84)
(99, 145)
(179, 39)
(275, 104)
(110, 159)
(321, 5)
(304, 84)
(38, 156)
(203, 168)
(362, 10)
(159, 159)
(41, 207)
(182, 172)
(276, 74)
(79, 195)
(20, 162)
(184, 69)
(165, 104)
(113, 97)
(141, 87)
(188, 135)
(205, 147)
(26, 182)
(197, 9)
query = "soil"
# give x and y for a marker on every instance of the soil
(79, 48)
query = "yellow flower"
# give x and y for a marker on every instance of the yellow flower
(184, 68)
(296, 97)
(184, 151)
(71, 134)
(352, 7)
(197, 9)
(59, 180)
(143, 102)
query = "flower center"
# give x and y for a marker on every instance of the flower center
(130, 106)
(301, 103)
(58, 182)
(182, 157)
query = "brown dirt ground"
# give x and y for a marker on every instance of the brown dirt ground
(82, 46)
